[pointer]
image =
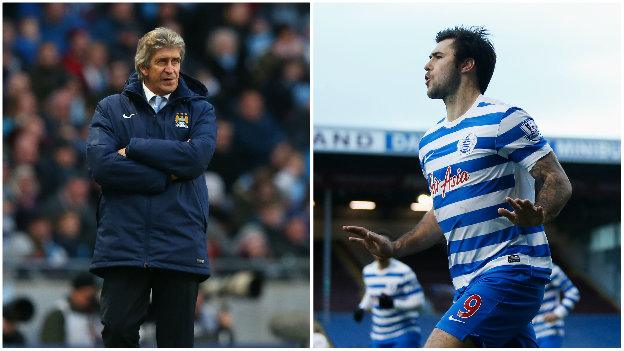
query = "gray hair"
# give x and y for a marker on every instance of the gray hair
(154, 40)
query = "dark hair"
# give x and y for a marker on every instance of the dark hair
(472, 42)
(82, 280)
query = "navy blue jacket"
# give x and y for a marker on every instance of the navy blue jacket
(144, 218)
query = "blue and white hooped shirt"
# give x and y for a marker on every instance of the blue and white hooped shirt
(400, 282)
(471, 165)
(560, 297)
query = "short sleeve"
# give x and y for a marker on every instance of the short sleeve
(518, 139)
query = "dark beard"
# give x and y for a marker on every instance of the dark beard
(449, 86)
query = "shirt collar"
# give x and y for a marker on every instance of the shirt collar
(149, 94)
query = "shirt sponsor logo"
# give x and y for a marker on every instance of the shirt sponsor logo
(449, 182)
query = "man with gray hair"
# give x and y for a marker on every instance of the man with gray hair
(148, 148)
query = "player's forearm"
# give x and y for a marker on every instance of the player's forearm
(426, 234)
(553, 195)
(552, 186)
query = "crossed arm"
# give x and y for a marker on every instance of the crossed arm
(111, 170)
(145, 165)
(182, 159)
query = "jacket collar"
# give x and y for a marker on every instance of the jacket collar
(188, 88)
(149, 94)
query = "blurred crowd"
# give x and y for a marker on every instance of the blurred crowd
(60, 60)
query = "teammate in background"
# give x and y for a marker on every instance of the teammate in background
(393, 294)
(494, 181)
(548, 324)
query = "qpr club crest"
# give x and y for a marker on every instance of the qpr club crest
(182, 120)
(467, 144)
(530, 130)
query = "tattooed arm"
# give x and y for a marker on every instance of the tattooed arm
(552, 186)
(552, 192)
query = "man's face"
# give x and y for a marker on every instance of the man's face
(84, 297)
(161, 77)
(443, 75)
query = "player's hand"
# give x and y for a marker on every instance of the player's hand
(386, 301)
(173, 177)
(525, 213)
(376, 244)
(122, 152)
(358, 314)
(551, 317)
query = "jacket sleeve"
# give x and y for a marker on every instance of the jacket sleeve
(113, 171)
(184, 159)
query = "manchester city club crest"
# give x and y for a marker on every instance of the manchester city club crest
(467, 144)
(182, 120)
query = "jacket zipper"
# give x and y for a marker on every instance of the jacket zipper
(148, 215)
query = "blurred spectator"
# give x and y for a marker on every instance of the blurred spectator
(289, 43)
(69, 235)
(224, 60)
(48, 73)
(260, 38)
(36, 245)
(290, 179)
(74, 58)
(8, 218)
(58, 168)
(17, 85)
(224, 154)
(94, 70)
(24, 188)
(255, 131)
(74, 196)
(28, 40)
(26, 149)
(118, 73)
(24, 109)
(11, 63)
(297, 232)
(252, 242)
(272, 219)
(252, 189)
(75, 321)
(56, 24)
(290, 89)
(112, 21)
(16, 311)
(213, 323)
